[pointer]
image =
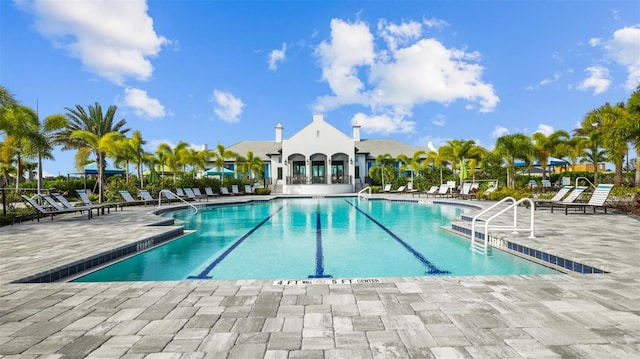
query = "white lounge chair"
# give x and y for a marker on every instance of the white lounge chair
(556, 198)
(387, 188)
(443, 190)
(433, 190)
(234, 189)
(399, 189)
(248, 189)
(224, 191)
(597, 200)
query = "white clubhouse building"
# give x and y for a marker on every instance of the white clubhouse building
(319, 159)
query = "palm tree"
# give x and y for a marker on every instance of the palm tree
(130, 150)
(48, 131)
(437, 159)
(382, 162)
(23, 137)
(221, 154)
(546, 146)
(632, 128)
(91, 132)
(511, 148)
(250, 165)
(172, 157)
(606, 120)
(459, 152)
(413, 163)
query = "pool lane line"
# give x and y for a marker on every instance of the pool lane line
(205, 272)
(432, 268)
(319, 255)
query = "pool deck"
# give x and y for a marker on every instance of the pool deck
(528, 316)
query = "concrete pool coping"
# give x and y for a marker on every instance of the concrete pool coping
(490, 316)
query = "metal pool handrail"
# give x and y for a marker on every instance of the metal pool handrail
(361, 192)
(514, 205)
(165, 191)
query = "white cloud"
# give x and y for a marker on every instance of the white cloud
(545, 129)
(390, 81)
(439, 120)
(277, 56)
(142, 104)
(384, 124)
(598, 80)
(228, 107)
(499, 131)
(594, 41)
(394, 34)
(624, 48)
(113, 39)
(435, 23)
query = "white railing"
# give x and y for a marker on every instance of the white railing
(361, 192)
(170, 195)
(586, 179)
(514, 205)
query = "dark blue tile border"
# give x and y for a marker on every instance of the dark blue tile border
(71, 269)
(540, 256)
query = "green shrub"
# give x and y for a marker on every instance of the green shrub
(263, 191)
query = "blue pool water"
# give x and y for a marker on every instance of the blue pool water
(315, 238)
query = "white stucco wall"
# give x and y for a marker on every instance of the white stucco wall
(318, 137)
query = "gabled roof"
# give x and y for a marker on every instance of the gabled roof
(262, 149)
(375, 147)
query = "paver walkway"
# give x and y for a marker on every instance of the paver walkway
(539, 316)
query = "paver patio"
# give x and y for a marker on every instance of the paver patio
(530, 316)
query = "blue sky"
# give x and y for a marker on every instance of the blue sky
(209, 72)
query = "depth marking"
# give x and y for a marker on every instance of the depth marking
(432, 268)
(204, 273)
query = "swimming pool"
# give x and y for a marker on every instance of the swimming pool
(315, 238)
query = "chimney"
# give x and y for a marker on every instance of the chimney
(278, 133)
(356, 132)
(318, 117)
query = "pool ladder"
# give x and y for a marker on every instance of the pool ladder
(361, 193)
(174, 196)
(514, 205)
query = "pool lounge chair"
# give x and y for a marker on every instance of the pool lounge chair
(209, 192)
(87, 202)
(234, 189)
(129, 200)
(431, 191)
(190, 195)
(387, 188)
(443, 191)
(224, 191)
(597, 200)
(248, 189)
(199, 195)
(53, 210)
(556, 198)
(60, 198)
(464, 191)
(410, 188)
(399, 189)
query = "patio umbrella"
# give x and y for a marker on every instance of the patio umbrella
(216, 171)
(153, 175)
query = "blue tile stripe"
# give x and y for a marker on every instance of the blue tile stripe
(433, 270)
(319, 255)
(205, 273)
